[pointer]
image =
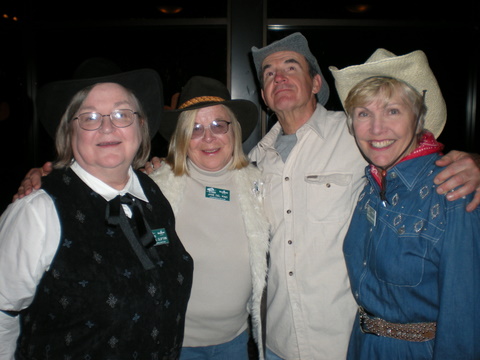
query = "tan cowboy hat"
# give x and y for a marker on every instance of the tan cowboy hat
(411, 68)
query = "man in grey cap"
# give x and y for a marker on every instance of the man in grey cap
(313, 175)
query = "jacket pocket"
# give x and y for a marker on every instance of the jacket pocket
(400, 252)
(329, 196)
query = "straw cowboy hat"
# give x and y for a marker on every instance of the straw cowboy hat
(411, 68)
(200, 92)
(53, 98)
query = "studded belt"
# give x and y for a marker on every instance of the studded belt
(417, 332)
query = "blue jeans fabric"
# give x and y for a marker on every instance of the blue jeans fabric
(236, 349)
(415, 259)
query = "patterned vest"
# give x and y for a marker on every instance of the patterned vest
(97, 300)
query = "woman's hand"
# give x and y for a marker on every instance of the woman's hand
(33, 180)
(462, 173)
(152, 165)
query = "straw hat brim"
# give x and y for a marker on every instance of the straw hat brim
(412, 68)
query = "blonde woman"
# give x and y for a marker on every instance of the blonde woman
(412, 256)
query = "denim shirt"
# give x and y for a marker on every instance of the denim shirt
(415, 259)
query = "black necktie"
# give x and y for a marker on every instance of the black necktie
(136, 229)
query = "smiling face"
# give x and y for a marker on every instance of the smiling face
(288, 86)
(108, 150)
(211, 152)
(384, 129)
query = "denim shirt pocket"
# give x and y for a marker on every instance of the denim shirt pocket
(328, 196)
(401, 250)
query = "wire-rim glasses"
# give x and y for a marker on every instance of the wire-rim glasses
(91, 121)
(217, 127)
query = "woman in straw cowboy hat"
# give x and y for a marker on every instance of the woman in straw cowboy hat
(217, 200)
(91, 265)
(412, 256)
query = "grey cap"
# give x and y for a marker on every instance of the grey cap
(298, 43)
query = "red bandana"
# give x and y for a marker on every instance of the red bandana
(428, 145)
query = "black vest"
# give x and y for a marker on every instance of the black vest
(97, 300)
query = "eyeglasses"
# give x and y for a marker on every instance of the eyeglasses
(217, 127)
(92, 120)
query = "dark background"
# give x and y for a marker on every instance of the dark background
(44, 42)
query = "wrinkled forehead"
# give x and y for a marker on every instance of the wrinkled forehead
(283, 57)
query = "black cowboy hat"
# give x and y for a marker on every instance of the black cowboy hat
(53, 98)
(200, 92)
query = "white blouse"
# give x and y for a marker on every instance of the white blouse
(29, 239)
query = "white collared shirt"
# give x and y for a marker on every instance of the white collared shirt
(309, 201)
(29, 238)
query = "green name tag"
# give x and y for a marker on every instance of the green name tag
(219, 194)
(161, 237)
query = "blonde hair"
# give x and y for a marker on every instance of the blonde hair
(63, 137)
(369, 89)
(180, 142)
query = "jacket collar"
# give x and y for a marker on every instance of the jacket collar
(412, 171)
(314, 123)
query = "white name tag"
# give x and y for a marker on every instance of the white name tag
(371, 215)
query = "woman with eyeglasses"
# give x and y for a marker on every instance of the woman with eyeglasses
(217, 200)
(91, 265)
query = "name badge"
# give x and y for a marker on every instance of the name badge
(371, 215)
(161, 237)
(218, 194)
